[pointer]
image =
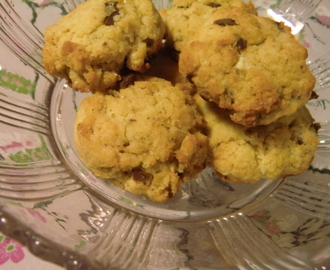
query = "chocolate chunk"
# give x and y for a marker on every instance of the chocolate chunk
(112, 10)
(241, 44)
(300, 141)
(149, 42)
(213, 5)
(139, 175)
(169, 191)
(225, 21)
(314, 95)
(127, 81)
(108, 21)
(317, 126)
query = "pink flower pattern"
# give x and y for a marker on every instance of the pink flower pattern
(304, 43)
(41, 3)
(325, 20)
(269, 224)
(36, 214)
(10, 250)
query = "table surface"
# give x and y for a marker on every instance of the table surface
(15, 256)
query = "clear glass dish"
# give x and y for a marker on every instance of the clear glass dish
(51, 203)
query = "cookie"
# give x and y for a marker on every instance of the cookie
(145, 138)
(245, 155)
(249, 65)
(185, 16)
(93, 44)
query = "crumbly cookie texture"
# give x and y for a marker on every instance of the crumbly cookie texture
(185, 16)
(245, 155)
(249, 65)
(145, 139)
(91, 45)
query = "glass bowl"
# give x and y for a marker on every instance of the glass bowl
(53, 204)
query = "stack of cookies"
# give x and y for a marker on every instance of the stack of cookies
(252, 83)
(203, 83)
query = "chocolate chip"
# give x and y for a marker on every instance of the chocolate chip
(213, 5)
(108, 21)
(300, 141)
(225, 21)
(241, 44)
(317, 126)
(169, 191)
(314, 95)
(112, 10)
(127, 80)
(149, 42)
(139, 175)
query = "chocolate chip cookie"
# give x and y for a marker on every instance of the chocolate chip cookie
(249, 65)
(245, 155)
(145, 138)
(93, 44)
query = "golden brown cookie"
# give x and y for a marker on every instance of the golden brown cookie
(245, 155)
(91, 45)
(249, 65)
(145, 138)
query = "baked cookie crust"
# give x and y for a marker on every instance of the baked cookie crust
(246, 155)
(145, 139)
(91, 45)
(249, 65)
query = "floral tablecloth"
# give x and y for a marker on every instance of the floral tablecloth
(15, 256)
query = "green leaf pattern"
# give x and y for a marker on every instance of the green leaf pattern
(18, 83)
(32, 155)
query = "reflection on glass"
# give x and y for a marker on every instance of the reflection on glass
(294, 13)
